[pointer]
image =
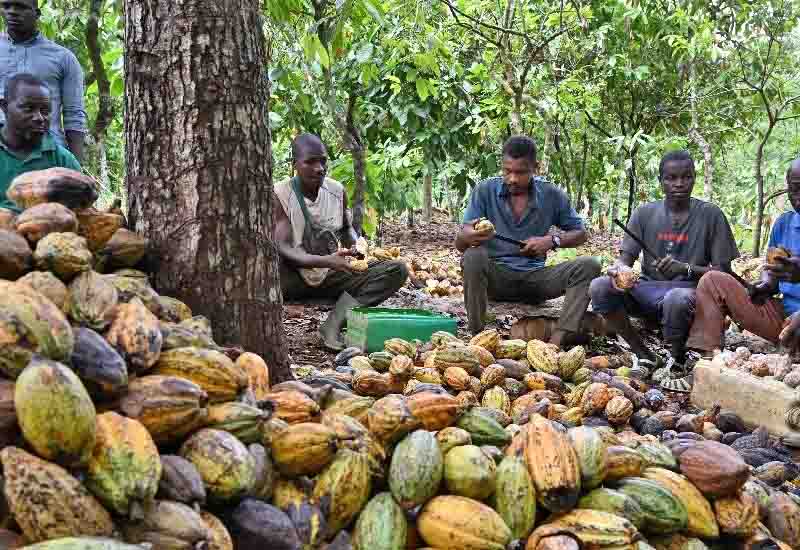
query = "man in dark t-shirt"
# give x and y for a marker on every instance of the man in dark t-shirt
(690, 237)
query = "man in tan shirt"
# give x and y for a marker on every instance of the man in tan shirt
(308, 275)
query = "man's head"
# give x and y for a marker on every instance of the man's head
(26, 105)
(310, 159)
(793, 184)
(519, 163)
(676, 174)
(21, 16)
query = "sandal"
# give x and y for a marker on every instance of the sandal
(678, 385)
(682, 383)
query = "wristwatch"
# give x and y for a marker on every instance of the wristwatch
(556, 241)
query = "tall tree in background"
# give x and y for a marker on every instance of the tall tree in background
(198, 184)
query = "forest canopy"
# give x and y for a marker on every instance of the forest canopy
(415, 98)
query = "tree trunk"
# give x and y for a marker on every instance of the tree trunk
(759, 175)
(631, 171)
(544, 153)
(427, 198)
(199, 164)
(102, 160)
(105, 103)
(356, 146)
(708, 161)
(515, 121)
(411, 218)
(359, 186)
(697, 137)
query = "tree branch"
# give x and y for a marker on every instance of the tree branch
(596, 126)
(476, 21)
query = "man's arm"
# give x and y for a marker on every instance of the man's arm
(282, 231)
(72, 105)
(75, 143)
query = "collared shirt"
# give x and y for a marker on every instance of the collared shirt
(786, 233)
(548, 206)
(48, 155)
(58, 68)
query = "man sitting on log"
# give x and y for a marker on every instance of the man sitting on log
(523, 206)
(690, 237)
(311, 220)
(25, 144)
(757, 309)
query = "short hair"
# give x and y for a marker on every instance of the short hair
(303, 141)
(794, 164)
(518, 147)
(13, 84)
(677, 155)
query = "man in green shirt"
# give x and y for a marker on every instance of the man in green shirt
(25, 144)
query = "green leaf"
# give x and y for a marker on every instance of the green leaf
(422, 88)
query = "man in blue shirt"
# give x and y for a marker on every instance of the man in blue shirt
(24, 50)
(524, 207)
(759, 311)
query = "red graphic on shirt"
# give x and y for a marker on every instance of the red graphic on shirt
(673, 237)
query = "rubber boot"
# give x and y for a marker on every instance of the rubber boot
(331, 329)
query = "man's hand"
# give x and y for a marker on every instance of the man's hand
(790, 335)
(537, 246)
(671, 268)
(474, 238)
(787, 269)
(338, 261)
(761, 291)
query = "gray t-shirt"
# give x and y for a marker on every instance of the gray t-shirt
(704, 239)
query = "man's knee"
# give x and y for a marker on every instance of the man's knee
(397, 273)
(605, 298)
(475, 259)
(679, 300)
(714, 280)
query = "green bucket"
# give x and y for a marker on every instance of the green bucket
(369, 327)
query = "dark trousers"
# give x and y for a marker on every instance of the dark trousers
(484, 279)
(370, 287)
(671, 303)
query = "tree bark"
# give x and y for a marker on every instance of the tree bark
(199, 164)
(759, 176)
(697, 137)
(427, 198)
(356, 146)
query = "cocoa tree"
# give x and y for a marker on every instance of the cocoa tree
(198, 169)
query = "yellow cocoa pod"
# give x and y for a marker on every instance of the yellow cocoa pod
(488, 340)
(304, 449)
